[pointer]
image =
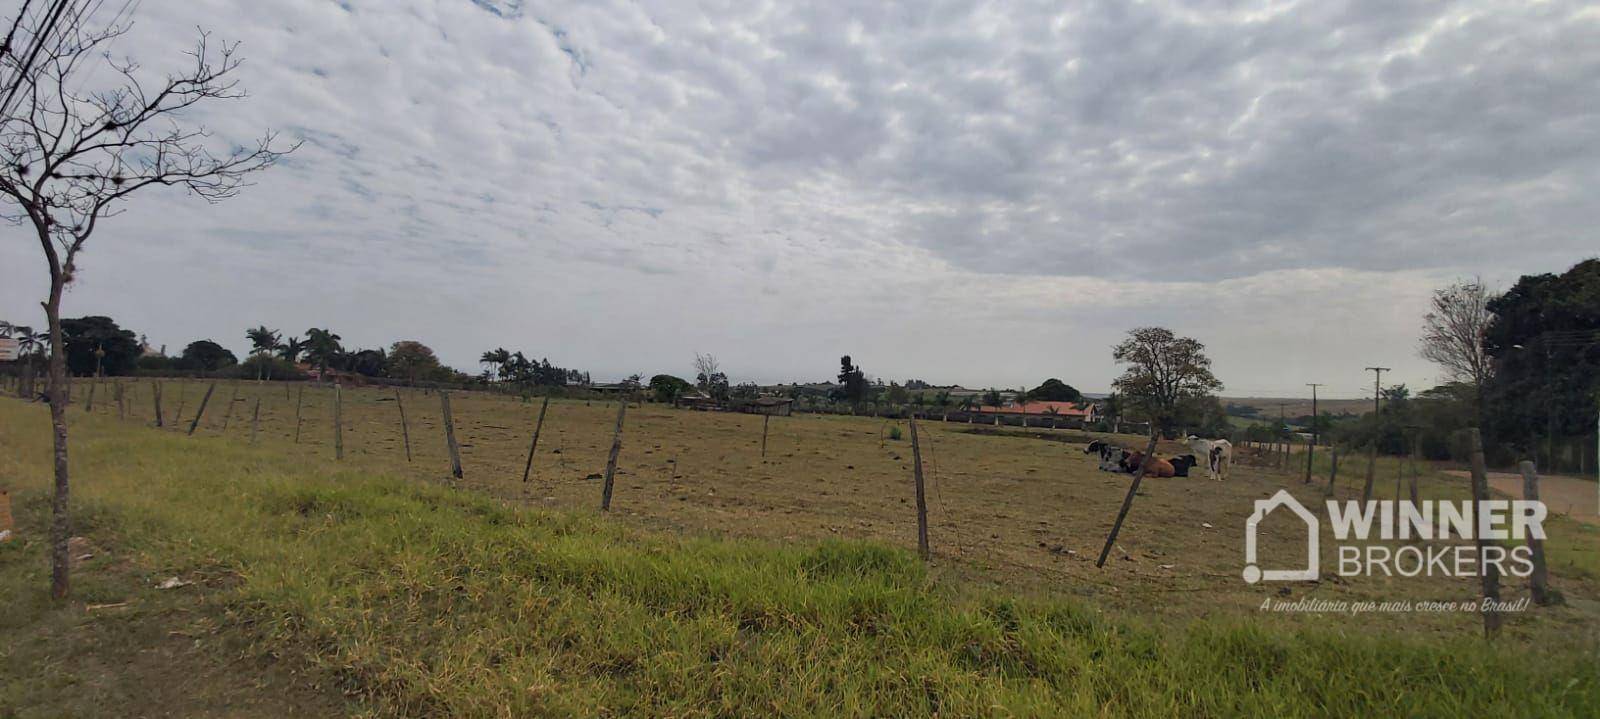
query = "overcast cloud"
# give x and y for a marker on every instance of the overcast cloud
(981, 193)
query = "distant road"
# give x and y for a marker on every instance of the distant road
(1574, 497)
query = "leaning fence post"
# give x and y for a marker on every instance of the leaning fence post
(537, 427)
(232, 398)
(1539, 579)
(183, 397)
(1491, 570)
(202, 411)
(611, 460)
(764, 419)
(338, 423)
(922, 501)
(405, 432)
(255, 421)
(1149, 454)
(155, 393)
(450, 435)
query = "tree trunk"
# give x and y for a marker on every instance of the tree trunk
(61, 523)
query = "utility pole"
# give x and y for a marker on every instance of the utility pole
(1372, 451)
(1311, 450)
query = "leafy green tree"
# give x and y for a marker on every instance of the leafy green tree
(668, 388)
(1163, 371)
(207, 356)
(323, 350)
(852, 381)
(97, 343)
(411, 360)
(367, 363)
(992, 397)
(1544, 342)
(1054, 390)
(897, 395)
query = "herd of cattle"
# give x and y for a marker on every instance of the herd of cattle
(1218, 454)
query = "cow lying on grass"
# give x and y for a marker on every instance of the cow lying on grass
(1118, 459)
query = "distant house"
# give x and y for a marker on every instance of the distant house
(774, 406)
(1079, 411)
(695, 399)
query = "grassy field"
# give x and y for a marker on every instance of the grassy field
(723, 583)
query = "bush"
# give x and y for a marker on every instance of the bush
(894, 433)
(259, 366)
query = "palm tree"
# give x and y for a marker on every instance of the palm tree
(291, 349)
(322, 347)
(494, 361)
(262, 342)
(29, 342)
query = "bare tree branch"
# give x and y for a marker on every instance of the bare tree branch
(68, 159)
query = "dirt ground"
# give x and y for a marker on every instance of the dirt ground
(1571, 496)
(1011, 511)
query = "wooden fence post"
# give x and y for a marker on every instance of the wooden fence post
(764, 419)
(1333, 474)
(338, 423)
(450, 435)
(299, 401)
(88, 406)
(1491, 571)
(537, 427)
(202, 411)
(155, 393)
(1416, 449)
(1133, 488)
(922, 501)
(611, 460)
(183, 396)
(255, 421)
(405, 431)
(1372, 472)
(1311, 451)
(1539, 579)
(227, 413)
(122, 405)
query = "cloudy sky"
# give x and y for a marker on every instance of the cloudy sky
(984, 193)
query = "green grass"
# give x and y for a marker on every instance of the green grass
(419, 599)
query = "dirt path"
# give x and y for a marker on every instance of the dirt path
(1571, 496)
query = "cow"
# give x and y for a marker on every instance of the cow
(1110, 454)
(1159, 467)
(1181, 465)
(1218, 454)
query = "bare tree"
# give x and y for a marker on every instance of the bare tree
(69, 157)
(706, 369)
(1453, 333)
(1165, 371)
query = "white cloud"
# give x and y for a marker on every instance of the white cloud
(956, 191)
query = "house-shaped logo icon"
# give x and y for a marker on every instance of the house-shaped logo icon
(1254, 573)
